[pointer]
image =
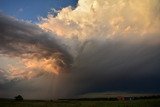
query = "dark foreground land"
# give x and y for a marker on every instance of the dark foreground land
(82, 103)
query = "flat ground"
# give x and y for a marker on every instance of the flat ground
(73, 103)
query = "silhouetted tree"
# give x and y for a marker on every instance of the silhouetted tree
(18, 98)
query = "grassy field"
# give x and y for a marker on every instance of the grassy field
(133, 103)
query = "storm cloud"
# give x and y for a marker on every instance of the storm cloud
(116, 67)
(117, 49)
(37, 50)
(108, 46)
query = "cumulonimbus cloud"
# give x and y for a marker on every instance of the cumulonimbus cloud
(114, 45)
(119, 45)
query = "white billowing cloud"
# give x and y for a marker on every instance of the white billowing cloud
(102, 19)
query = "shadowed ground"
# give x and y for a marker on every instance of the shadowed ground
(74, 103)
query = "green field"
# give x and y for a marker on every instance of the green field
(74, 103)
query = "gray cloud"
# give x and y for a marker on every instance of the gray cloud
(28, 42)
(23, 40)
(113, 67)
(19, 38)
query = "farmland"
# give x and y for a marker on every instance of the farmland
(79, 103)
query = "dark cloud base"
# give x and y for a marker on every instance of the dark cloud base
(115, 67)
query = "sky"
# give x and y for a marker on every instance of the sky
(68, 48)
(32, 9)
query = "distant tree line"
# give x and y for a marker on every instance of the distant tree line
(116, 98)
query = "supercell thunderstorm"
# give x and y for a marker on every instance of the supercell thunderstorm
(95, 40)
